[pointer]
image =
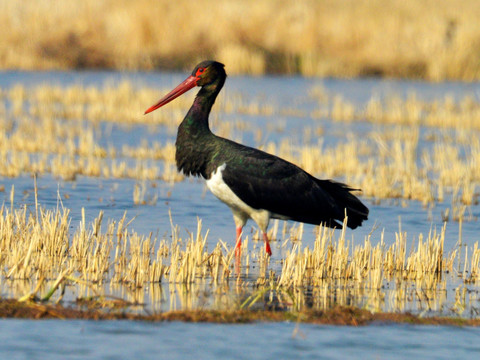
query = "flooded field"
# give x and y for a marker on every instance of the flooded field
(110, 219)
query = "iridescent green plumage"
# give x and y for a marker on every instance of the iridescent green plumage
(259, 179)
(253, 183)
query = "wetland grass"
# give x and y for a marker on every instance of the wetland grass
(42, 258)
(312, 38)
(56, 130)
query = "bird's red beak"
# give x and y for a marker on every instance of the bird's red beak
(186, 85)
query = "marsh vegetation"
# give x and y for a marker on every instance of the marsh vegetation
(312, 38)
(412, 152)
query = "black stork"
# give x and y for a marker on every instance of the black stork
(254, 184)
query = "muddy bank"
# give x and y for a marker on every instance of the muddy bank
(336, 316)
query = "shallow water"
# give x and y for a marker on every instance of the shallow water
(189, 200)
(25, 339)
(57, 339)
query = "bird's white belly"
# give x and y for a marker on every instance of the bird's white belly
(241, 211)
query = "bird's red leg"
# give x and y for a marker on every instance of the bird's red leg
(238, 240)
(267, 244)
(238, 250)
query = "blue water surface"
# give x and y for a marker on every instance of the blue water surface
(189, 200)
(58, 339)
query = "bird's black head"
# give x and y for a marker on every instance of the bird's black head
(208, 71)
(210, 75)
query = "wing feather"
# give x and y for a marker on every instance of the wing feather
(264, 181)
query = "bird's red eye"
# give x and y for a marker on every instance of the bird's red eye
(199, 71)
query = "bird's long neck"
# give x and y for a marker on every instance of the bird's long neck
(194, 136)
(196, 120)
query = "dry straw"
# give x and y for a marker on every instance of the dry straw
(313, 38)
(37, 246)
(56, 131)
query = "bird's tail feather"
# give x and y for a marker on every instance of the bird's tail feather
(346, 202)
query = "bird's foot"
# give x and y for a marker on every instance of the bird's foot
(267, 244)
(267, 249)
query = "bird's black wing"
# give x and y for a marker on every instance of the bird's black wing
(264, 181)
